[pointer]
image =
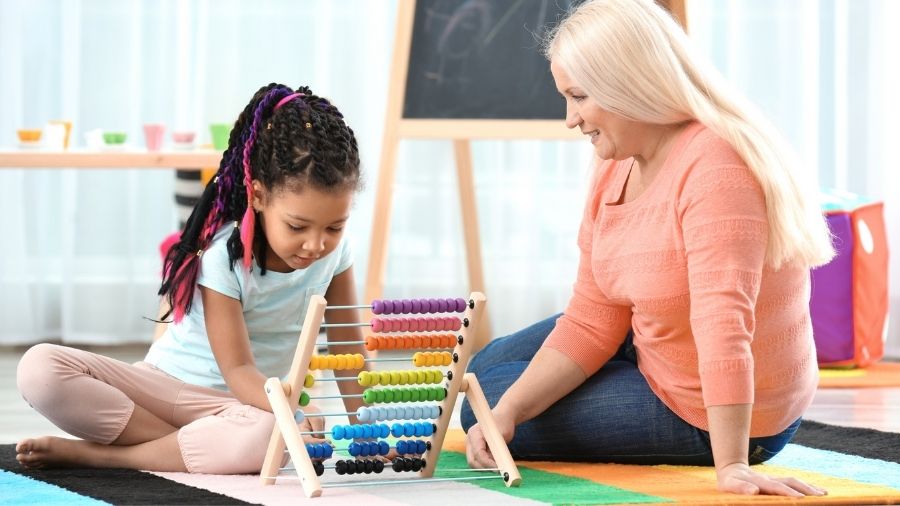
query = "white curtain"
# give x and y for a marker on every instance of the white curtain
(78, 258)
(827, 73)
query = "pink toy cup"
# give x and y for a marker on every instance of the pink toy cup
(153, 136)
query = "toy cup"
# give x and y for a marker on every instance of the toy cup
(29, 135)
(67, 130)
(153, 136)
(220, 133)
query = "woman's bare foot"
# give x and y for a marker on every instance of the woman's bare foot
(50, 451)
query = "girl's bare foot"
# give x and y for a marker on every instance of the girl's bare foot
(49, 451)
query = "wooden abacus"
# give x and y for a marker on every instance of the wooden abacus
(286, 397)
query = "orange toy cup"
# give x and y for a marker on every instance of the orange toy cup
(29, 134)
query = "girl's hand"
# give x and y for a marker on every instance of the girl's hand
(738, 478)
(312, 424)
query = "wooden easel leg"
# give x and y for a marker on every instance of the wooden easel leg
(462, 150)
(381, 219)
(285, 421)
(492, 435)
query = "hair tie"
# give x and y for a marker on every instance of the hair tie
(287, 99)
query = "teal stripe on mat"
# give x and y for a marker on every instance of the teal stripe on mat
(18, 489)
(861, 469)
(549, 488)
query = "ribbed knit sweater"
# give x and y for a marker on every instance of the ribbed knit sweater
(683, 266)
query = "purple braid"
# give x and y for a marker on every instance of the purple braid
(249, 220)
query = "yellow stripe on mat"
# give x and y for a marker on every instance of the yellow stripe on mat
(697, 485)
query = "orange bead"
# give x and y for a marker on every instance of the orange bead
(371, 343)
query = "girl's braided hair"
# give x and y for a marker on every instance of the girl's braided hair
(285, 139)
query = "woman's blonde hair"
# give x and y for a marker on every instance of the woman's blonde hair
(633, 59)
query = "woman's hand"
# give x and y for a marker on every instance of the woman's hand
(738, 478)
(478, 454)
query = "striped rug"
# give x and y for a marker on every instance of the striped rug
(857, 466)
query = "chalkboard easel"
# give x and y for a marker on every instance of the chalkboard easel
(464, 70)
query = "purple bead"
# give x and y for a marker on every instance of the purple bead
(388, 307)
(461, 305)
(442, 305)
(406, 305)
(435, 305)
(416, 306)
(377, 306)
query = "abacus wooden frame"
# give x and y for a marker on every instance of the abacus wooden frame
(285, 397)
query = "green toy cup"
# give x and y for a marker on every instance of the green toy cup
(114, 138)
(220, 133)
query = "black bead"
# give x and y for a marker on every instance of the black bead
(378, 466)
(340, 467)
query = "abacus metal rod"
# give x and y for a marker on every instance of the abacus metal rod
(339, 343)
(334, 325)
(361, 306)
(416, 480)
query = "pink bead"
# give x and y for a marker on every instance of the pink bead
(421, 324)
(432, 324)
(454, 323)
(376, 324)
(395, 325)
(404, 324)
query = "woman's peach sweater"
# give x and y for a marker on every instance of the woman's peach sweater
(683, 266)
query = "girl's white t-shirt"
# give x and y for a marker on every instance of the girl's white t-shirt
(274, 308)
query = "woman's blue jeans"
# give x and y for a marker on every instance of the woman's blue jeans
(612, 417)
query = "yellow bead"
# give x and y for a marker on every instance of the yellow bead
(417, 359)
(385, 378)
(359, 361)
(421, 377)
(309, 381)
(363, 378)
(395, 378)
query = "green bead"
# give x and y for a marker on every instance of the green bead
(405, 395)
(388, 395)
(304, 398)
(414, 394)
(379, 396)
(369, 396)
(441, 394)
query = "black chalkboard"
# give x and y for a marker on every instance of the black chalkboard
(481, 59)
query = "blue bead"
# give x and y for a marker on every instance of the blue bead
(367, 431)
(338, 432)
(329, 451)
(353, 449)
(309, 449)
(409, 429)
(420, 430)
(429, 429)
(421, 446)
(397, 430)
(319, 451)
(401, 447)
(383, 448)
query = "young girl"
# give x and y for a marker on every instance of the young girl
(266, 235)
